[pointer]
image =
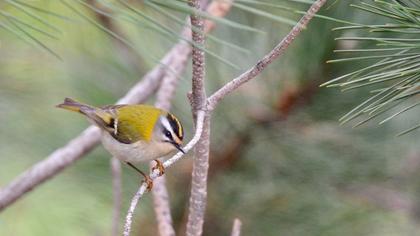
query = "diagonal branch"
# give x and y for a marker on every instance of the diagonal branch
(231, 86)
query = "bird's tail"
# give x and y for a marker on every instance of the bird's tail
(97, 116)
(72, 105)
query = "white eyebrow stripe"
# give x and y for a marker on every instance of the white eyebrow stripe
(166, 124)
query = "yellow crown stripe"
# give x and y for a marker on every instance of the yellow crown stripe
(179, 130)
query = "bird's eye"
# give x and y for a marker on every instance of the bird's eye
(168, 134)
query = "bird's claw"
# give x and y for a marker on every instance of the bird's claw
(159, 166)
(149, 183)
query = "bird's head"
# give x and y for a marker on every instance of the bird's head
(168, 130)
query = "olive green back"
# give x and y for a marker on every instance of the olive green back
(135, 122)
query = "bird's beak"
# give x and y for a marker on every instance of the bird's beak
(178, 147)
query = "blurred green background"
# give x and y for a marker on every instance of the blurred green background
(280, 161)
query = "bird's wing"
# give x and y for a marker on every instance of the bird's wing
(132, 122)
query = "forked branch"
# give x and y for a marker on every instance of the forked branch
(278, 50)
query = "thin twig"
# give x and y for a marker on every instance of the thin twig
(231, 86)
(166, 164)
(236, 228)
(117, 195)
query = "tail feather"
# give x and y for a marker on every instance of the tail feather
(96, 115)
(73, 105)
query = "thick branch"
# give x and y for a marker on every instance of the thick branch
(214, 99)
(198, 198)
(198, 101)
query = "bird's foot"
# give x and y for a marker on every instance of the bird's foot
(159, 166)
(147, 178)
(149, 183)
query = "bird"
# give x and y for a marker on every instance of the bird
(134, 133)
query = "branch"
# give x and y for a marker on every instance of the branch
(231, 86)
(53, 164)
(198, 198)
(166, 164)
(236, 229)
(198, 101)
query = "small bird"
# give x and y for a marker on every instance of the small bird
(134, 133)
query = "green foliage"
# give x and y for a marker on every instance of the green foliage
(390, 50)
(129, 12)
(16, 16)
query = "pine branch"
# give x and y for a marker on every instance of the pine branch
(215, 98)
(394, 73)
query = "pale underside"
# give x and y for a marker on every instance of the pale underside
(139, 151)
